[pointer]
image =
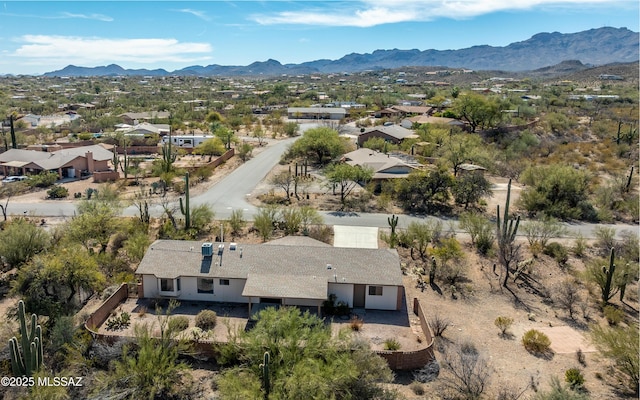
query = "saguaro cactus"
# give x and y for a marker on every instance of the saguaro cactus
(506, 229)
(27, 359)
(168, 156)
(393, 223)
(184, 207)
(264, 368)
(608, 274)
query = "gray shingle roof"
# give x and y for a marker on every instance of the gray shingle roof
(173, 258)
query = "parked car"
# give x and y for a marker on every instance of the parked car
(9, 179)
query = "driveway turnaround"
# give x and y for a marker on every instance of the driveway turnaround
(363, 237)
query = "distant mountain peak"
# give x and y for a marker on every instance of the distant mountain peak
(596, 46)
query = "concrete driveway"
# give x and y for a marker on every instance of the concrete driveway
(363, 237)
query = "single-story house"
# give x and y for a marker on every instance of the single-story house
(67, 163)
(333, 113)
(428, 119)
(296, 271)
(144, 129)
(133, 118)
(385, 166)
(391, 133)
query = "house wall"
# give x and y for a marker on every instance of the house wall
(343, 292)
(301, 302)
(189, 289)
(388, 300)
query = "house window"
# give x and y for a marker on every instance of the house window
(224, 282)
(205, 285)
(178, 284)
(375, 290)
(166, 285)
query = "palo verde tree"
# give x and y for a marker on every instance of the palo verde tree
(320, 144)
(304, 361)
(479, 111)
(347, 177)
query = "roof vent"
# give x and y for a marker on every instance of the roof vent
(232, 246)
(207, 249)
(329, 266)
(220, 249)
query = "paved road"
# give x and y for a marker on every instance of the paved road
(231, 193)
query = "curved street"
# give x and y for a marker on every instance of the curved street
(233, 190)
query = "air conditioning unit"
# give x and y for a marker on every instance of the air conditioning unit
(207, 249)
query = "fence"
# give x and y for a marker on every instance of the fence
(408, 360)
(102, 313)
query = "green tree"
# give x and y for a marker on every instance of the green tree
(210, 147)
(347, 177)
(470, 188)
(291, 129)
(264, 221)
(93, 227)
(304, 360)
(422, 190)
(463, 148)
(419, 235)
(20, 240)
(557, 190)
(226, 135)
(539, 232)
(479, 111)
(620, 345)
(320, 144)
(49, 284)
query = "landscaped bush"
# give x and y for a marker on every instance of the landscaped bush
(42, 180)
(356, 323)
(536, 342)
(178, 323)
(206, 320)
(392, 344)
(58, 192)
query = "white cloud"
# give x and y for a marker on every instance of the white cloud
(200, 14)
(63, 15)
(367, 13)
(36, 49)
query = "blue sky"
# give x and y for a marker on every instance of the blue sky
(37, 37)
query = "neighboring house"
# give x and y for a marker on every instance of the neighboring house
(391, 133)
(471, 169)
(49, 120)
(403, 110)
(143, 129)
(67, 163)
(428, 119)
(134, 118)
(332, 113)
(296, 271)
(384, 166)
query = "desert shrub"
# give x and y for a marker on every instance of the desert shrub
(439, 324)
(558, 252)
(206, 320)
(178, 323)
(392, 344)
(469, 372)
(579, 246)
(536, 342)
(613, 314)
(480, 229)
(58, 192)
(43, 179)
(503, 323)
(142, 312)
(417, 388)
(574, 378)
(356, 323)
(581, 358)
(559, 392)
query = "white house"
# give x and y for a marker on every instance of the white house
(292, 271)
(186, 141)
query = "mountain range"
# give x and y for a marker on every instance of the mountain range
(592, 47)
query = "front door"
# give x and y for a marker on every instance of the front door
(358, 296)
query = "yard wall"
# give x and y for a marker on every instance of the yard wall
(102, 313)
(105, 176)
(408, 360)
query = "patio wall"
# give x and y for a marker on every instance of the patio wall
(102, 313)
(408, 360)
